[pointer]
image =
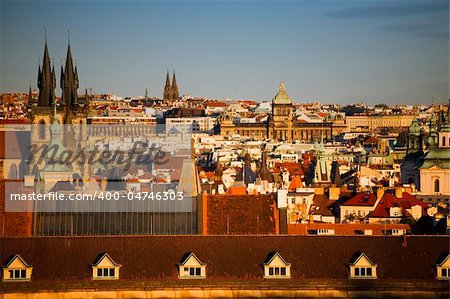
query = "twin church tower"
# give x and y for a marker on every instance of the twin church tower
(70, 106)
(46, 81)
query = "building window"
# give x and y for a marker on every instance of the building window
(193, 271)
(443, 267)
(277, 271)
(41, 130)
(276, 267)
(16, 269)
(443, 140)
(105, 268)
(436, 185)
(361, 267)
(106, 272)
(13, 171)
(191, 267)
(17, 274)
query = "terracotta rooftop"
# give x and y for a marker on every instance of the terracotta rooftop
(361, 199)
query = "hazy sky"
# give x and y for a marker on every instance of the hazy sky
(331, 51)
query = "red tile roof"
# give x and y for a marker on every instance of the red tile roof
(295, 183)
(361, 199)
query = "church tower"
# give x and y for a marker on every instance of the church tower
(46, 80)
(167, 89)
(170, 92)
(409, 167)
(175, 93)
(69, 81)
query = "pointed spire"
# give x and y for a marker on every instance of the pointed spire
(45, 78)
(175, 94)
(168, 79)
(146, 94)
(30, 95)
(70, 83)
(174, 81)
(167, 93)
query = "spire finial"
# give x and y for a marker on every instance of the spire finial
(68, 36)
(45, 30)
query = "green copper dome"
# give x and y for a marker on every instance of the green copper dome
(439, 157)
(282, 97)
(414, 129)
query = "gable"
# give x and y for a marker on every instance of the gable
(105, 260)
(16, 262)
(191, 260)
(445, 262)
(362, 260)
(275, 259)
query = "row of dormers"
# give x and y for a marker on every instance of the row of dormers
(191, 267)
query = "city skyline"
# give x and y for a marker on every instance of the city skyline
(238, 50)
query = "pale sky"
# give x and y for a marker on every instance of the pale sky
(331, 51)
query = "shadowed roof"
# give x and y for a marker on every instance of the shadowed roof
(228, 257)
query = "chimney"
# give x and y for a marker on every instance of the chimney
(319, 190)
(404, 243)
(333, 193)
(380, 193)
(399, 192)
(103, 184)
(311, 218)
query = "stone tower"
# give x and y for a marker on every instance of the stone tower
(170, 92)
(69, 81)
(46, 80)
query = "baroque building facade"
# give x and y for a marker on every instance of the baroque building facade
(435, 169)
(282, 125)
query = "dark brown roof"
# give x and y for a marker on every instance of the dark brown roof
(227, 257)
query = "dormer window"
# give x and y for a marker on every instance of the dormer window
(16, 269)
(443, 267)
(105, 268)
(191, 267)
(361, 267)
(275, 266)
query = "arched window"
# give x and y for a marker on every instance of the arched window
(443, 140)
(436, 185)
(41, 130)
(13, 171)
